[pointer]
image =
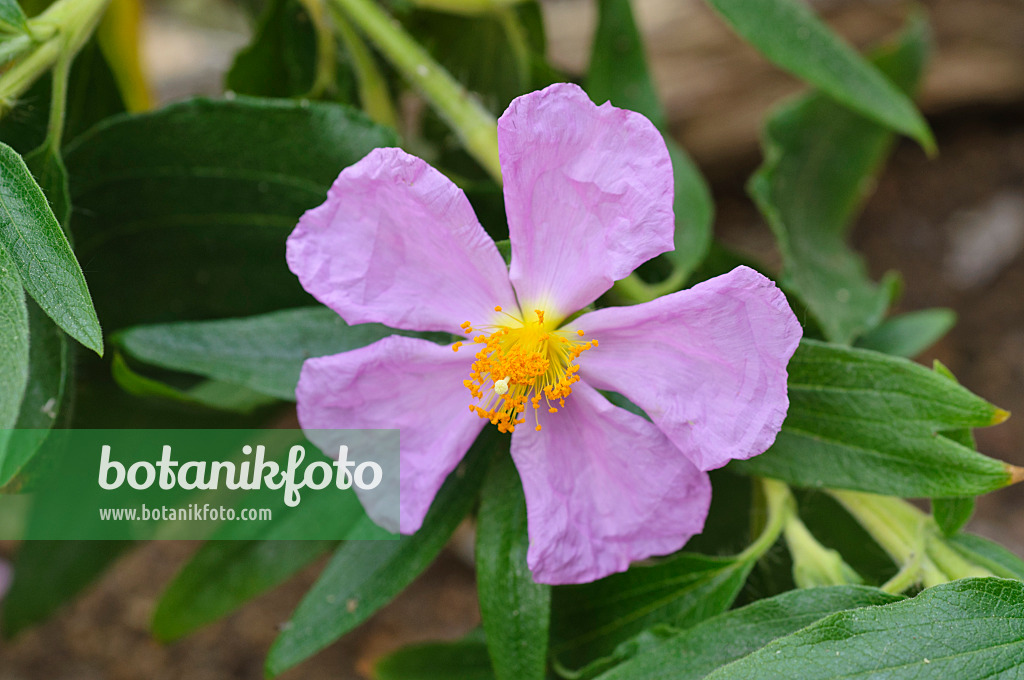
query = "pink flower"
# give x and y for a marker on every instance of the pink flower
(588, 192)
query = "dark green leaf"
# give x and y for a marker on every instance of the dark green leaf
(222, 576)
(48, 367)
(789, 35)
(363, 576)
(987, 554)
(819, 161)
(466, 659)
(952, 514)
(49, 573)
(35, 244)
(246, 559)
(14, 346)
(618, 73)
(494, 55)
(696, 652)
(910, 334)
(968, 630)
(211, 394)
(263, 353)
(193, 203)
(281, 60)
(871, 422)
(590, 621)
(12, 18)
(516, 611)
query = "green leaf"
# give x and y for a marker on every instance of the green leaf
(14, 345)
(12, 18)
(363, 576)
(619, 74)
(952, 514)
(516, 611)
(694, 653)
(211, 394)
(969, 630)
(788, 34)
(263, 353)
(909, 334)
(282, 59)
(466, 659)
(44, 394)
(819, 161)
(222, 576)
(987, 554)
(871, 422)
(246, 559)
(49, 573)
(590, 621)
(35, 244)
(224, 203)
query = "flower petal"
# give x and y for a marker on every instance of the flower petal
(588, 192)
(708, 364)
(397, 243)
(405, 383)
(603, 487)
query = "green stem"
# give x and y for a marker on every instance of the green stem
(373, 89)
(779, 507)
(67, 24)
(814, 564)
(326, 66)
(474, 125)
(465, 7)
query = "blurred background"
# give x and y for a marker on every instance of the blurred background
(953, 226)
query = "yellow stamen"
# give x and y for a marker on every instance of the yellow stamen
(456, 346)
(536, 361)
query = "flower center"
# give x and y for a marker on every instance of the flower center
(520, 364)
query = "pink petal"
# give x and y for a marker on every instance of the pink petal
(603, 487)
(588, 192)
(708, 364)
(404, 383)
(397, 243)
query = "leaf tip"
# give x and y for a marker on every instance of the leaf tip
(1000, 416)
(1016, 474)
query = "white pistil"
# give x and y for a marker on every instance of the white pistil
(501, 386)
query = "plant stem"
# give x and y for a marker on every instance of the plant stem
(373, 89)
(779, 507)
(474, 125)
(67, 24)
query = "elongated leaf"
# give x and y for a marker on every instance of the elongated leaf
(263, 353)
(619, 73)
(969, 630)
(789, 34)
(14, 351)
(35, 244)
(590, 621)
(694, 653)
(910, 334)
(516, 611)
(211, 394)
(218, 185)
(245, 559)
(49, 573)
(952, 514)
(987, 554)
(466, 659)
(870, 422)
(222, 576)
(819, 157)
(12, 18)
(364, 576)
